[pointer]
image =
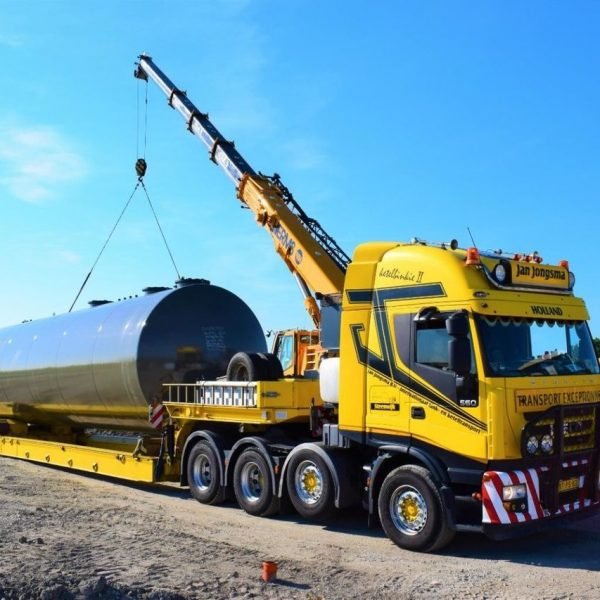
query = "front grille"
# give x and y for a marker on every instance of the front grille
(567, 467)
(560, 431)
(579, 428)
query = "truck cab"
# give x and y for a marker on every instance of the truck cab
(483, 365)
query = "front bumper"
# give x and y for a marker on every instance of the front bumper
(569, 487)
(517, 530)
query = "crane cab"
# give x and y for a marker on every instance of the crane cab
(298, 350)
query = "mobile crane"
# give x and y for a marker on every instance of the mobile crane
(460, 390)
(314, 258)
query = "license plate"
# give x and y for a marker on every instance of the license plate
(566, 485)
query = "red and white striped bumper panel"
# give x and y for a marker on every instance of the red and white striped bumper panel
(494, 511)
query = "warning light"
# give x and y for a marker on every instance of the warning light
(473, 257)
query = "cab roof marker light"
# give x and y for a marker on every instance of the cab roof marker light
(565, 265)
(533, 257)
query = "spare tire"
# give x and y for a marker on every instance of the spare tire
(254, 366)
(246, 366)
(273, 365)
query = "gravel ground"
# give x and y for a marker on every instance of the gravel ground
(69, 536)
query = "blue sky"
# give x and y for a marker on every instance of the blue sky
(387, 120)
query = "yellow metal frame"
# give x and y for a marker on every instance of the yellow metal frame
(282, 401)
(80, 458)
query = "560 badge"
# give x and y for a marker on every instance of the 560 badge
(468, 402)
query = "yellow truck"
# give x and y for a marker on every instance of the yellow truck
(449, 389)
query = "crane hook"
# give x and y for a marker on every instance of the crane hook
(140, 167)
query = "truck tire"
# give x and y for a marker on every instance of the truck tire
(246, 366)
(273, 366)
(310, 485)
(203, 469)
(411, 510)
(253, 484)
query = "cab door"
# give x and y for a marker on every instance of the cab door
(444, 408)
(388, 400)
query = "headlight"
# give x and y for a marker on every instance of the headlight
(500, 273)
(532, 445)
(547, 444)
(514, 492)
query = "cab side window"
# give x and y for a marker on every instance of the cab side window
(432, 344)
(285, 351)
(430, 359)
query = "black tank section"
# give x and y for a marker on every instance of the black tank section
(100, 367)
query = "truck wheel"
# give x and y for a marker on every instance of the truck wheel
(203, 474)
(411, 510)
(253, 485)
(246, 366)
(310, 486)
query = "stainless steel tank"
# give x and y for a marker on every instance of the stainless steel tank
(100, 367)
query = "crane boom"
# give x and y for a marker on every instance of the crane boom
(315, 259)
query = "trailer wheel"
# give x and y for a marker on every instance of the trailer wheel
(310, 485)
(203, 474)
(411, 510)
(253, 485)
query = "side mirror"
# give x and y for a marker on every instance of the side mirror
(458, 324)
(459, 355)
(459, 346)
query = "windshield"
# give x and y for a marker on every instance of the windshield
(525, 347)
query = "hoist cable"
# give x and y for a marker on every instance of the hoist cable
(137, 120)
(160, 228)
(140, 167)
(105, 243)
(137, 124)
(145, 119)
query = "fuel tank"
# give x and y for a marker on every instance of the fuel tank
(100, 367)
